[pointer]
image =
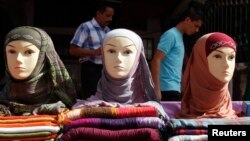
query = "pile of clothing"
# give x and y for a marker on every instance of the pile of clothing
(29, 128)
(197, 129)
(113, 123)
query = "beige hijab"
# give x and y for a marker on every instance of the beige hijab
(203, 95)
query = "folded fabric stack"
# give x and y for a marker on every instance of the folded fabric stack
(29, 128)
(140, 123)
(197, 129)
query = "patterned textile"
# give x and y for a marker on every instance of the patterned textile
(189, 138)
(51, 109)
(4, 110)
(110, 112)
(100, 103)
(119, 123)
(190, 131)
(86, 133)
(20, 109)
(115, 124)
(198, 127)
(49, 82)
(204, 122)
(8, 108)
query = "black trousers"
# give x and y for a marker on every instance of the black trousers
(90, 75)
(170, 96)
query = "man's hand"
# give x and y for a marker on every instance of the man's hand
(158, 94)
(98, 52)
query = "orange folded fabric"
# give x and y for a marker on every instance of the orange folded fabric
(14, 125)
(26, 119)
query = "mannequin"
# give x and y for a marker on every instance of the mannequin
(206, 78)
(37, 81)
(126, 79)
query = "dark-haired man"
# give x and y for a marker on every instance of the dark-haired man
(167, 62)
(86, 44)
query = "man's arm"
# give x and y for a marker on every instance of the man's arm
(76, 51)
(155, 71)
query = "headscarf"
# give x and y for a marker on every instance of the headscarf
(49, 81)
(204, 96)
(137, 86)
(219, 40)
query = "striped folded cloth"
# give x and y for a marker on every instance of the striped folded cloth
(31, 127)
(116, 124)
(204, 122)
(88, 133)
(110, 112)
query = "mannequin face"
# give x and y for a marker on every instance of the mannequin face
(221, 63)
(119, 54)
(22, 58)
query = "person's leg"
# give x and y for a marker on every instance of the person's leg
(170, 96)
(90, 75)
(246, 96)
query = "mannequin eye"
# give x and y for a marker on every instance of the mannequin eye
(111, 51)
(127, 52)
(29, 52)
(217, 56)
(11, 51)
(231, 57)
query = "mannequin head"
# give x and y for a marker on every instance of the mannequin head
(206, 78)
(119, 54)
(221, 53)
(22, 58)
(34, 72)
